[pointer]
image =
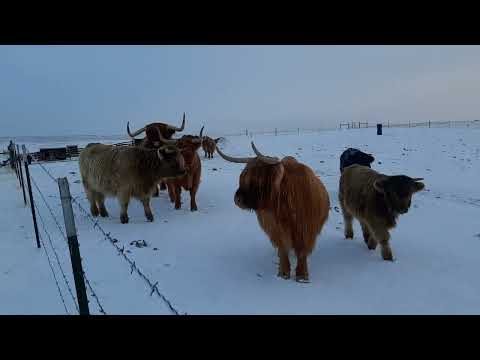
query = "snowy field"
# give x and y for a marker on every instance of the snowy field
(218, 260)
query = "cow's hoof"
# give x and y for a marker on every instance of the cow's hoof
(149, 217)
(103, 213)
(284, 275)
(124, 219)
(302, 279)
(94, 211)
(177, 207)
(193, 208)
(387, 255)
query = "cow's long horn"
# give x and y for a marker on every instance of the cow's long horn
(163, 140)
(255, 150)
(179, 128)
(267, 159)
(139, 131)
(232, 159)
(200, 139)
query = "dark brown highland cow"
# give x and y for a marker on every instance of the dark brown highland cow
(209, 145)
(376, 200)
(291, 204)
(152, 139)
(188, 146)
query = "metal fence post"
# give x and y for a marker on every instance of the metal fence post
(22, 181)
(73, 245)
(29, 185)
(15, 162)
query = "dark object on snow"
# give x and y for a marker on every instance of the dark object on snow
(72, 151)
(379, 129)
(52, 154)
(139, 243)
(354, 156)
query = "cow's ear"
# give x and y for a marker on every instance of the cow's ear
(280, 171)
(418, 186)
(379, 185)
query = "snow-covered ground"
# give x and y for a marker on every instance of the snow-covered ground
(218, 260)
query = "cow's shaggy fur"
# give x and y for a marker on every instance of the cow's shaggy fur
(376, 200)
(126, 172)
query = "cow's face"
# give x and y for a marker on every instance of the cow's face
(172, 161)
(259, 183)
(153, 139)
(398, 191)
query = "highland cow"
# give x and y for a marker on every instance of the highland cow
(375, 200)
(209, 145)
(126, 172)
(291, 204)
(188, 146)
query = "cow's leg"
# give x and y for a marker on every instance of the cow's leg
(382, 237)
(367, 236)
(163, 186)
(93, 203)
(155, 191)
(123, 199)
(101, 204)
(178, 196)
(205, 154)
(171, 191)
(284, 266)
(193, 202)
(146, 206)
(348, 223)
(301, 271)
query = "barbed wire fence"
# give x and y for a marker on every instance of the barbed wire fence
(64, 236)
(153, 286)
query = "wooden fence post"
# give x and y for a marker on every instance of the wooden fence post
(22, 181)
(73, 245)
(29, 185)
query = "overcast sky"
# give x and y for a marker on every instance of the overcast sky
(70, 90)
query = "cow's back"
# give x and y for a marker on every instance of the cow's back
(105, 167)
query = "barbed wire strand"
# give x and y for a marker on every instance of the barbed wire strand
(121, 251)
(53, 273)
(93, 293)
(153, 287)
(56, 256)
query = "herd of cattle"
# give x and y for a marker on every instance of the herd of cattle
(290, 201)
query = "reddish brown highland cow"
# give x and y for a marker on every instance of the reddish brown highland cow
(188, 146)
(291, 204)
